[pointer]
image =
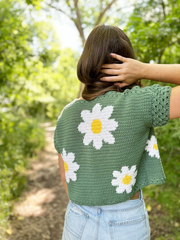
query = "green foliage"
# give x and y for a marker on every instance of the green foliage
(64, 85)
(154, 30)
(91, 13)
(37, 79)
(168, 194)
(35, 75)
(20, 139)
(169, 142)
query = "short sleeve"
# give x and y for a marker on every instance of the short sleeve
(60, 128)
(56, 140)
(160, 104)
(57, 135)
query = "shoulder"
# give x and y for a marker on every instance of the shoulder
(148, 91)
(69, 105)
(157, 88)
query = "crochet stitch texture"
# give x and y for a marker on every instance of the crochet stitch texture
(109, 146)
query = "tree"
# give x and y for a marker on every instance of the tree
(86, 14)
(154, 28)
(31, 70)
(35, 83)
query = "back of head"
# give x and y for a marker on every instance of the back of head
(102, 41)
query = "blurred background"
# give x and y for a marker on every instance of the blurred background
(40, 43)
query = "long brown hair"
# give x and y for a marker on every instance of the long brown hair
(102, 41)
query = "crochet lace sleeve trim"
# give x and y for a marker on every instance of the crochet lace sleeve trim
(160, 105)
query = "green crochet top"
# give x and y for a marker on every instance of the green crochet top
(108, 144)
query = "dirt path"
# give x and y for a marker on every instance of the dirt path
(39, 214)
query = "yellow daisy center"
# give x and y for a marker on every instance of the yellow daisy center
(96, 126)
(66, 168)
(127, 179)
(155, 146)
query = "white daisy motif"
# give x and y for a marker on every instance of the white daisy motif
(152, 147)
(97, 126)
(69, 166)
(125, 179)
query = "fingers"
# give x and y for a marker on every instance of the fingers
(111, 79)
(118, 57)
(113, 69)
(112, 65)
(121, 85)
(110, 71)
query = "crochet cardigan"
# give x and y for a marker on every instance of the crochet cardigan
(108, 144)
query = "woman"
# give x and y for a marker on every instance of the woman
(105, 140)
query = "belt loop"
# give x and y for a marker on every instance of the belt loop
(140, 194)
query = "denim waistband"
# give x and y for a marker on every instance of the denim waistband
(115, 207)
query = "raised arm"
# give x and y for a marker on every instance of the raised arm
(132, 70)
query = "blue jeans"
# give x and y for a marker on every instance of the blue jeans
(124, 221)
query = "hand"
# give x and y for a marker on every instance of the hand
(126, 73)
